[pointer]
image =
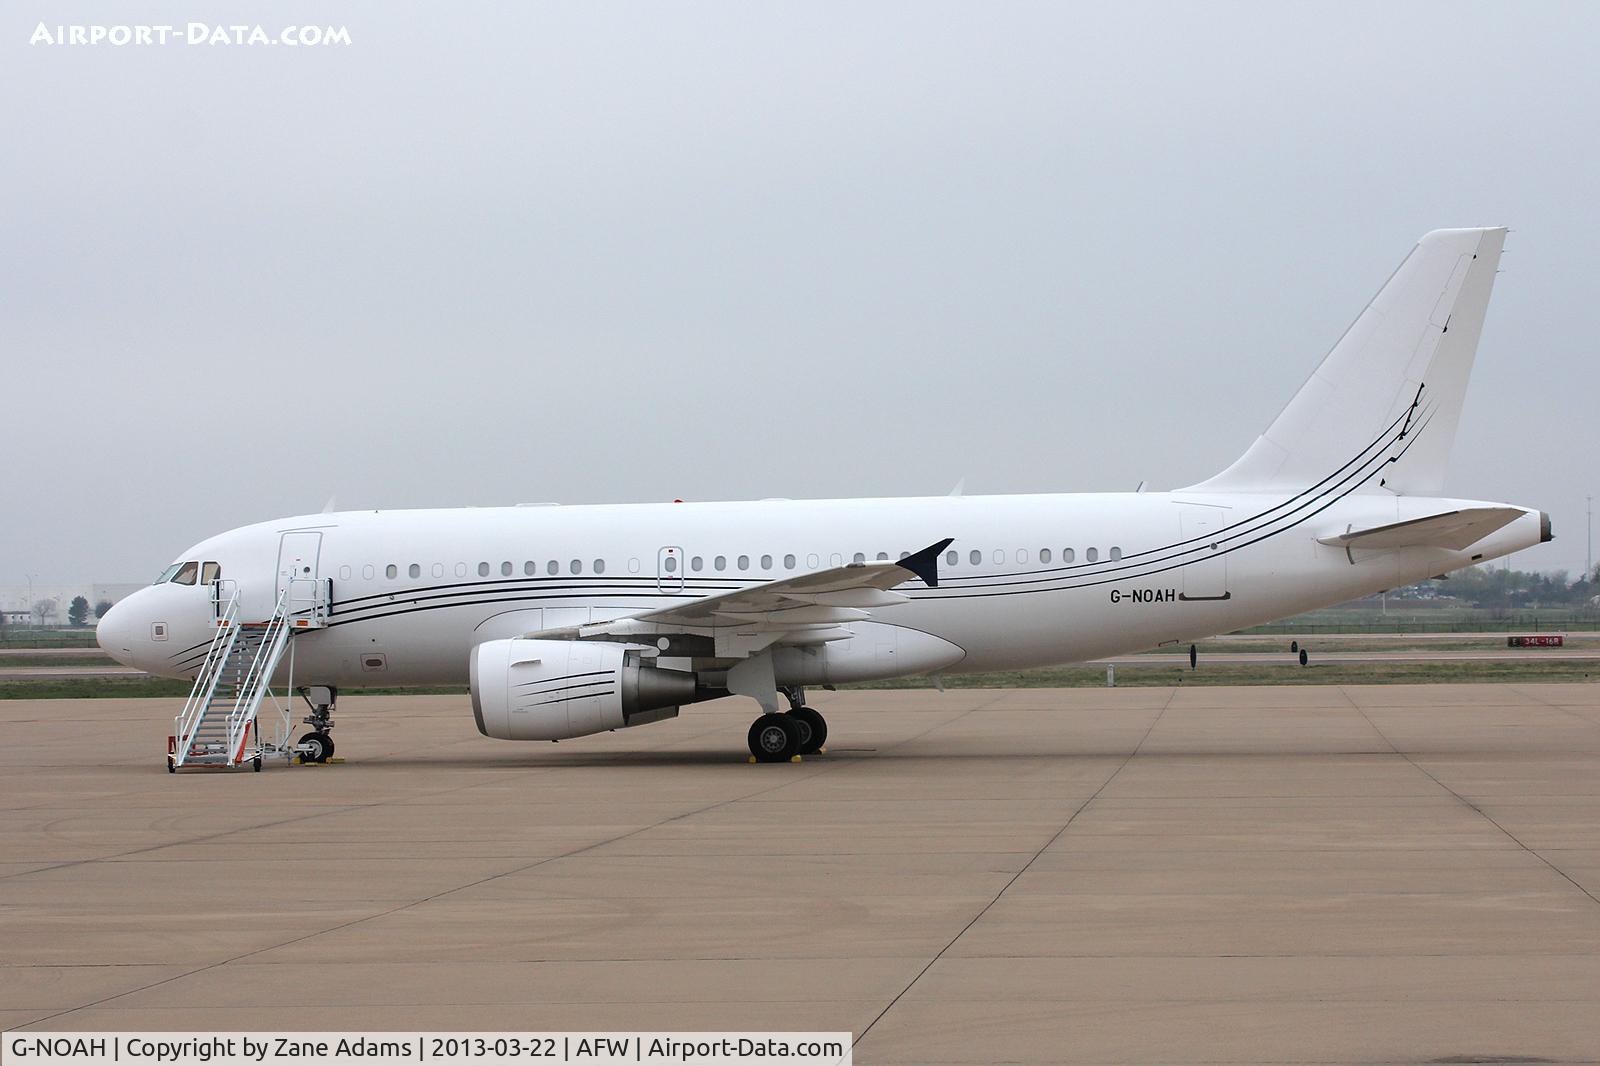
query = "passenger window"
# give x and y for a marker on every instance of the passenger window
(461, 570)
(1044, 555)
(836, 559)
(367, 572)
(905, 555)
(552, 567)
(186, 574)
(344, 573)
(1066, 555)
(633, 565)
(599, 566)
(696, 563)
(505, 569)
(976, 557)
(952, 557)
(483, 569)
(576, 566)
(416, 570)
(670, 565)
(859, 557)
(766, 562)
(744, 562)
(438, 570)
(813, 562)
(1022, 555)
(883, 557)
(1116, 553)
(209, 572)
(1092, 554)
(720, 562)
(999, 556)
(788, 562)
(529, 568)
(391, 571)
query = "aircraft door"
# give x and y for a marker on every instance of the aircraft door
(669, 569)
(298, 555)
(1206, 577)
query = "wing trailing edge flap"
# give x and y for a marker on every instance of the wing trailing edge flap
(806, 609)
(1455, 530)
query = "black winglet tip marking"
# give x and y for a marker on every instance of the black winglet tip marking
(925, 563)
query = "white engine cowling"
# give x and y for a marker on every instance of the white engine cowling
(556, 689)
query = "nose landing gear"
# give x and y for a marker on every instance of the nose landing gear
(317, 746)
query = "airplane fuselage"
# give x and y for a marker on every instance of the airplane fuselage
(1028, 581)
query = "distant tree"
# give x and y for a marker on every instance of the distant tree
(44, 610)
(78, 611)
(101, 608)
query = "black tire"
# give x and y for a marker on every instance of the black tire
(320, 747)
(255, 764)
(172, 765)
(813, 729)
(1304, 658)
(774, 738)
(1294, 646)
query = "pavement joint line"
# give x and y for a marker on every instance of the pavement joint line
(1521, 690)
(336, 809)
(1424, 771)
(1173, 695)
(448, 891)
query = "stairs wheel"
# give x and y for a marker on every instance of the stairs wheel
(255, 764)
(172, 767)
(316, 747)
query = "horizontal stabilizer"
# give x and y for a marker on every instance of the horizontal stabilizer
(1455, 530)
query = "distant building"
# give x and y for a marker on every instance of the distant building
(17, 605)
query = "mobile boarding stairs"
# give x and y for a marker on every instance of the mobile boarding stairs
(221, 723)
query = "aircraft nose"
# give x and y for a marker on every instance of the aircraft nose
(114, 633)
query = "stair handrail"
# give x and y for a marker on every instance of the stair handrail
(257, 677)
(205, 682)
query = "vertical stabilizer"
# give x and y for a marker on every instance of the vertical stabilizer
(1395, 380)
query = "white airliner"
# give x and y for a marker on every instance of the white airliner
(567, 621)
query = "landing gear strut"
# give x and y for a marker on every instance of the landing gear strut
(317, 746)
(798, 731)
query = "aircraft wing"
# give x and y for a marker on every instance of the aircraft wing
(805, 609)
(1455, 530)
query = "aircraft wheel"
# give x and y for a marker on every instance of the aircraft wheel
(1304, 658)
(813, 729)
(318, 747)
(774, 738)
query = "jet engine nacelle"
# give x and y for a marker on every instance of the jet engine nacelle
(556, 689)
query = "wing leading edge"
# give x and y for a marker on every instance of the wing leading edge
(805, 609)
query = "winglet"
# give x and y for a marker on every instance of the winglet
(925, 563)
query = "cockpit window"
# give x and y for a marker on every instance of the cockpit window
(209, 572)
(166, 575)
(186, 574)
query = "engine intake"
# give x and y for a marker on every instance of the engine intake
(557, 689)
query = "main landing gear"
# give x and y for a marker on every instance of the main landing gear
(317, 745)
(782, 737)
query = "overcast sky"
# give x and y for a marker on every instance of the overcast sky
(496, 253)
